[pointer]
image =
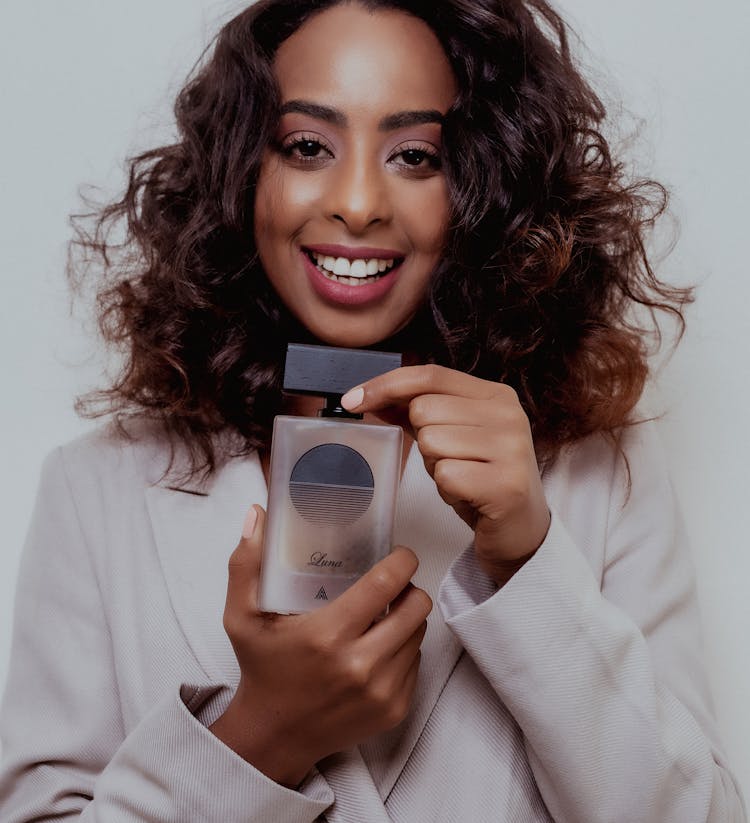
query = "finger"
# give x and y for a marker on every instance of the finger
(406, 617)
(244, 562)
(410, 678)
(479, 443)
(444, 409)
(467, 481)
(486, 487)
(403, 658)
(392, 670)
(396, 683)
(356, 609)
(401, 385)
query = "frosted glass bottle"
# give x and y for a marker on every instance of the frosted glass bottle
(331, 504)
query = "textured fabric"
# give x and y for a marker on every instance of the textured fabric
(575, 693)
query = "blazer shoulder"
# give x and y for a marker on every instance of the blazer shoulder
(137, 451)
(616, 458)
(145, 452)
(601, 477)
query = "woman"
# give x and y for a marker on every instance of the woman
(560, 677)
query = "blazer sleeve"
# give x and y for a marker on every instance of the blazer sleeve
(604, 676)
(65, 751)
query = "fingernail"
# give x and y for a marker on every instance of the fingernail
(248, 527)
(353, 398)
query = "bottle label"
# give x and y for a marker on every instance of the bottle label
(321, 559)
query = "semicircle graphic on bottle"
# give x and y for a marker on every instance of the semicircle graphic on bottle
(331, 485)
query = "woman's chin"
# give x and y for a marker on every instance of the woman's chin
(353, 338)
(411, 335)
(352, 341)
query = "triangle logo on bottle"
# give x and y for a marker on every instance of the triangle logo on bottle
(321, 595)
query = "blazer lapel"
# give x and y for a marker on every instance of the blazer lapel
(195, 532)
(426, 524)
(357, 797)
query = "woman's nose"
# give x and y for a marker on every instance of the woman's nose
(358, 195)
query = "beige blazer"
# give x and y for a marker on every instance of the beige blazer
(575, 693)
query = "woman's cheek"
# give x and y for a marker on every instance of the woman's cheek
(425, 208)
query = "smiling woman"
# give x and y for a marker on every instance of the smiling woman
(422, 176)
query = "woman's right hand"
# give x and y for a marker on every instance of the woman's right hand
(318, 683)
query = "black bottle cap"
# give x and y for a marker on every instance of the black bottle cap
(330, 372)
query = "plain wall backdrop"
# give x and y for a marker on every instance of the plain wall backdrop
(84, 83)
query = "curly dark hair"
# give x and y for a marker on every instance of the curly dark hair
(543, 283)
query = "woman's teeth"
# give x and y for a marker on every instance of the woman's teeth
(351, 272)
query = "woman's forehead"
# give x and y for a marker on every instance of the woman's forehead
(348, 55)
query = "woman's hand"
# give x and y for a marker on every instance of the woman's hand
(476, 443)
(318, 683)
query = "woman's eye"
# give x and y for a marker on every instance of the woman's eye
(413, 157)
(418, 159)
(309, 148)
(306, 150)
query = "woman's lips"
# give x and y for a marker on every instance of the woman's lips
(367, 291)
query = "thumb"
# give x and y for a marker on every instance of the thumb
(244, 563)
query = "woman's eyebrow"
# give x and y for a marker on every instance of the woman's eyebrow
(401, 119)
(391, 122)
(315, 110)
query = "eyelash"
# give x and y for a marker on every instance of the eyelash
(428, 153)
(291, 149)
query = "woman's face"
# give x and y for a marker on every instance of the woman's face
(351, 205)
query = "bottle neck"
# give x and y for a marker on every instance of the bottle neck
(333, 408)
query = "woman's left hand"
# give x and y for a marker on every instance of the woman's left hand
(476, 443)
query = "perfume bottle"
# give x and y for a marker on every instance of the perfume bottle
(332, 487)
